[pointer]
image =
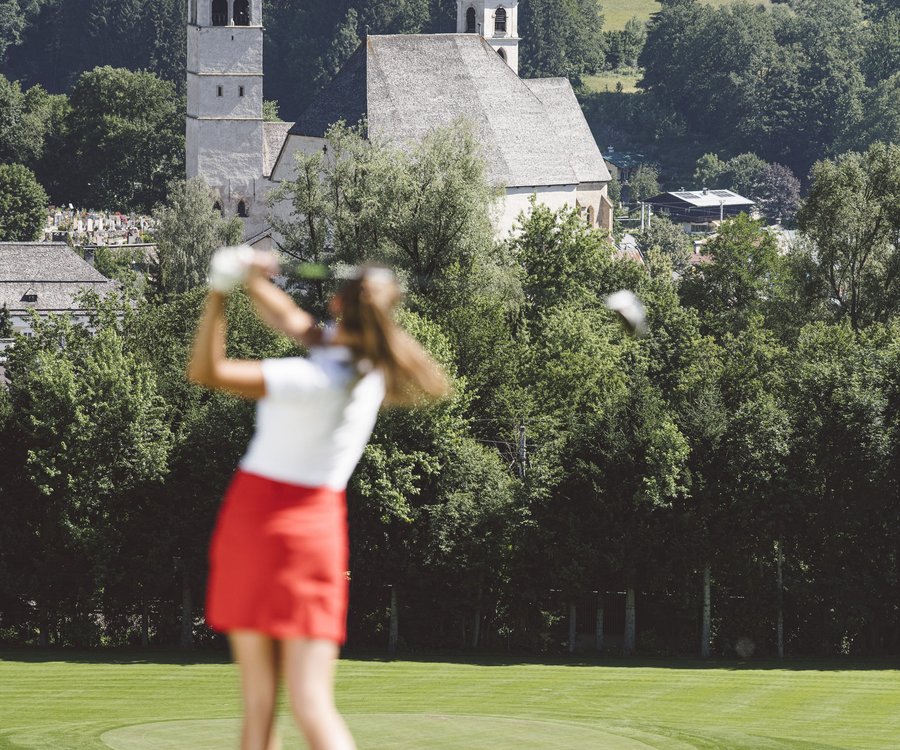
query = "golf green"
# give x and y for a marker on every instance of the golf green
(385, 731)
(102, 701)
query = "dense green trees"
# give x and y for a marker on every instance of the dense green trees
(23, 204)
(733, 473)
(88, 436)
(128, 138)
(789, 83)
(852, 216)
(114, 143)
(424, 211)
(55, 42)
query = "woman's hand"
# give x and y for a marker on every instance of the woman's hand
(262, 264)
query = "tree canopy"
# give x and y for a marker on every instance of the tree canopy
(23, 204)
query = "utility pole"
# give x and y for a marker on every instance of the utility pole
(522, 454)
(642, 216)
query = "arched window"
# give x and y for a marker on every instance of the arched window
(470, 21)
(241, 12)
(220, 12)
(502, 53)
(242, 210)
(218, 208)
(500, 21)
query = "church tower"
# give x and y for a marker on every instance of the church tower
(497, 21)
(224, 134)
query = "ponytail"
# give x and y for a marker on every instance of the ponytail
(367, 304)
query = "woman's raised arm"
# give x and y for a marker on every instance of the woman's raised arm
(276, 308)
(210, 367)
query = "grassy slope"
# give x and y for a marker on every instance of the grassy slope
(617, 12)
(516, 706)
(607, 81)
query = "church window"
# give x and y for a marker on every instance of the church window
(590, 216)
(218, 91)
(470, 21)
(240, 90)
(502, 53)
(241, 12)
(500, 21)
(242, 210)
(220, 12)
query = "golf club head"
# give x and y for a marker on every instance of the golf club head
(630, 311)
(312, 271)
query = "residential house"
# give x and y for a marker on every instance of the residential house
(699, 210)
(46, 277)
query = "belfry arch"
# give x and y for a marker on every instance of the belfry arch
(241, 12)
(471, 27)
(500, 21)
(219, 12)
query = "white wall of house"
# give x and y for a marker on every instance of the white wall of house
(517, 200)
(591, 197)
(21, 321)
(286, 168)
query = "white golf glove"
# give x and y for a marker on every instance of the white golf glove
(228, 267)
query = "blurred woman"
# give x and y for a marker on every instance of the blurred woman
(279, 554)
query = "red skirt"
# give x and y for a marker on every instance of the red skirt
(278, 560)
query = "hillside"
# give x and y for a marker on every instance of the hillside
(617, 12)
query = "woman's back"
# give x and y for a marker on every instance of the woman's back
(314, 421)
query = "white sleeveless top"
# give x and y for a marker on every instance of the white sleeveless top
(315, 419)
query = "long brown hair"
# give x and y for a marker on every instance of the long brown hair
(367, 303)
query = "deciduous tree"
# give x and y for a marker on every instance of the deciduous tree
(23, 204)
(189, 228)
(852, 216)
(126, 137)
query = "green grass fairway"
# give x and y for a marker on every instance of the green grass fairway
(617, 12)
(77, 701)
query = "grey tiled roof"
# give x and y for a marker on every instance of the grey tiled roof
(51, 270)
(571, 127)
(342, 99)
(274, 134)
(407, 85)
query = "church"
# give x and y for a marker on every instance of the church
(534, 137)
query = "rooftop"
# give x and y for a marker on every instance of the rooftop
(45, 276)
(407, 85)
(703, 198)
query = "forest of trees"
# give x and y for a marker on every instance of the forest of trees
(741, 461)
(792, 83)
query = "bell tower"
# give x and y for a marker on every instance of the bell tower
(495, 20)
(224, 131)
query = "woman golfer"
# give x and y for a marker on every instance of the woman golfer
(279, 553)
